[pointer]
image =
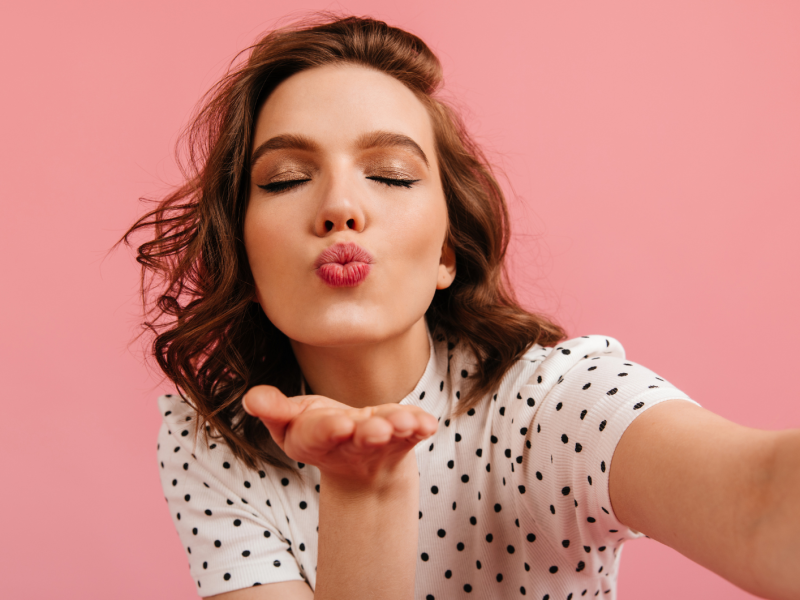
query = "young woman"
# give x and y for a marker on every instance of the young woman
(365, 411)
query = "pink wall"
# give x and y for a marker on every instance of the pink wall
(654, 149)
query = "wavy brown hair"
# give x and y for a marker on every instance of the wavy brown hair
(210, 338)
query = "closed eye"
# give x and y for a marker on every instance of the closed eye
(406, 183)
(282, 186)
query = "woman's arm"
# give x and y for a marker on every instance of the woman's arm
(724, 495)
(368, 537)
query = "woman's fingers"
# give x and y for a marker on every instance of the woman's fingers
(273, 408)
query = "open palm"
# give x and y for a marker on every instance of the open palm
(352, 443)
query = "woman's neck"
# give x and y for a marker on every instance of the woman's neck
(367, 374)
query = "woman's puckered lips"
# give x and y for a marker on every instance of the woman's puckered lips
(343, 253)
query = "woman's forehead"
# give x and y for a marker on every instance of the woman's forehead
(337, 105)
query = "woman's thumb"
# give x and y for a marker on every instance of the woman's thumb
(273, 408)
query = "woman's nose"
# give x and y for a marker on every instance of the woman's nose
(341, 210)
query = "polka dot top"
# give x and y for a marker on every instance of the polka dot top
(513, 495)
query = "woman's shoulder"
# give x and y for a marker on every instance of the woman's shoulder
(546, 366)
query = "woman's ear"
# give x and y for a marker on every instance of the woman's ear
(447, 267)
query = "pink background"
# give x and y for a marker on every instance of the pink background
(654, 152)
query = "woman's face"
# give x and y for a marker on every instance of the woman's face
(346, 219)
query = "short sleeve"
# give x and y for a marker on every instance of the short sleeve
(587, 394)
(230, 543)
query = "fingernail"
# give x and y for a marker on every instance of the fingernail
(244, 406)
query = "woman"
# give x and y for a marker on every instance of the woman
(366, 410)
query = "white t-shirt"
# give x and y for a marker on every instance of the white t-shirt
(513, 495)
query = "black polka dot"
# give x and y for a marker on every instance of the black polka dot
(564, 438)
(247, 484)
(276, 562)
(590, 479)
(448, 574)
(538, 475)
(494, 439)
(531, 402)
(467, 588)
(479, 452)
(521, 489)
(424, 556)
(473, 521)
(226, 465)
(465, 478)
(502, 410)
(227, 576)
(460, 546)
(497, 508)
(267, 534)
(603, 425)
(508, 452)
(499, 577)
(553, 569)
(578, 447)
(603, 466)
(246, 553)
(612, 391)
(565, 491)
(208, 512)
(422, 395)
(489, 537)
(302, 547)
(303, 505)
(205, 565)
(531, 537)
(471, 412)
(552, 509)
(638, 405)
(510, 549)
(237, 522)
(581, 566)
(565, 543)
(583, 413)
(434, 490)
(450, 464)
(441, 533)
(458, 437)
(284, 482)
(559, 406)
(591, 519)
(587, 386)
(217, 543)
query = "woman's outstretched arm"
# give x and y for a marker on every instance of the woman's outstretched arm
(724, 495)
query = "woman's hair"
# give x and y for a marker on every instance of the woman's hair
(210, 338)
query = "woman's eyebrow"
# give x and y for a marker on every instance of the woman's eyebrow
(372, 139)
(387, 139)
(283, 142)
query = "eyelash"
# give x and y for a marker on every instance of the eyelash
(282, 186)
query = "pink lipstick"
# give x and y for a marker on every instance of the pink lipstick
(343, 265)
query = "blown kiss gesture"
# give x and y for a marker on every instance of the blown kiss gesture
(363, 445)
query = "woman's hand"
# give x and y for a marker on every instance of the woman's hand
(356, 444)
